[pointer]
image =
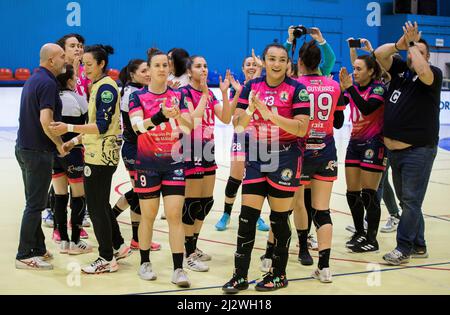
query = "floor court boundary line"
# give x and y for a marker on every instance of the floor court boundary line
(345, 260)
(297, 279)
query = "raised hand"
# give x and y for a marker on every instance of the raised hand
(261, 106)
(235, 84)
(225, 84)
(345, 79)
(367, 46)
(317, 34)
(411, 32)
(291, 33)
(257, 59)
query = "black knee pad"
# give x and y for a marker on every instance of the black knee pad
(281, 229)
(321, 217)
(207, 204)
(232, 187)
(370, 198)
(247, 229)
(134, 204)
(129, 196)
(259, 189)
(192, 207)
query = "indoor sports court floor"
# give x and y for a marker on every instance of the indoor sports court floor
(353, 273)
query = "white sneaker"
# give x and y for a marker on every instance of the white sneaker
(64, 247)
(145, 272)
(123, 252)
(323, 275)
(391, 225)
(202, 256)
(101, 265)
(33, 263)
(194, 264)
(180, 278)
(312, 242)
(86, 222)
(266, 264)
(79, 248)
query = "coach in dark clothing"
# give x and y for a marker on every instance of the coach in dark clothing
(39, 106)
(411, 133)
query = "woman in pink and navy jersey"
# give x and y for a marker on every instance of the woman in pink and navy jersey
(251, 69)
(201, 167)
(366, 153)
(158, 115)
(277, 109)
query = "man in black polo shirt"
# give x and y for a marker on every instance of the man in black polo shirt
(411, 133)
(39, 106)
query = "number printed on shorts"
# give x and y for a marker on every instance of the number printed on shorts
(236, 147)
(143, 180)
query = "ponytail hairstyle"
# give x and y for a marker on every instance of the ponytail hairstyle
(152, 52)
(180, 59)
(125, 73)
(100, 53)
(64, 77)
(310, 55)
(372, 64)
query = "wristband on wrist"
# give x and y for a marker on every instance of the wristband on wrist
(69, 128)
(158, 118)
(249, 112)
(322, 43)
(75, 141)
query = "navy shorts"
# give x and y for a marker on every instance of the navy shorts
(151, 183)
(201, 163)
(129, 151)
(282, 174)
(320, 165)
(71, 165)
(369, 155)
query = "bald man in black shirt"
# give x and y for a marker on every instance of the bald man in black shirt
(411, 133)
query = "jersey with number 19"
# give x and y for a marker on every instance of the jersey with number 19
(320, 160)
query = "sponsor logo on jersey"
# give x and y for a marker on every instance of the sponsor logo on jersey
(107, 97)
(87, 171)
(286, 174)
(175, 101)
(178, 172)
(378, 90)
(284, 96)
(369, 154)
(331, 165)
(303, 95)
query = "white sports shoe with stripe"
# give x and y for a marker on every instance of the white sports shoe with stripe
(193, 263)
(79, 248)
(323, 275)
(202, 256)
(101, 265)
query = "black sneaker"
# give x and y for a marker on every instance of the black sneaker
(235, 285)
(364, 247)
(357, 238)
(305, 258)
(419, 252)
(271, 282)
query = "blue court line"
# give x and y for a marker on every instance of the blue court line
(295, 279)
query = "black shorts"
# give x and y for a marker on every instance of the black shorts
(71, 165)
(320, 164)
(368, 155)
(151, 183)
(129, 151)
(285, 177)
